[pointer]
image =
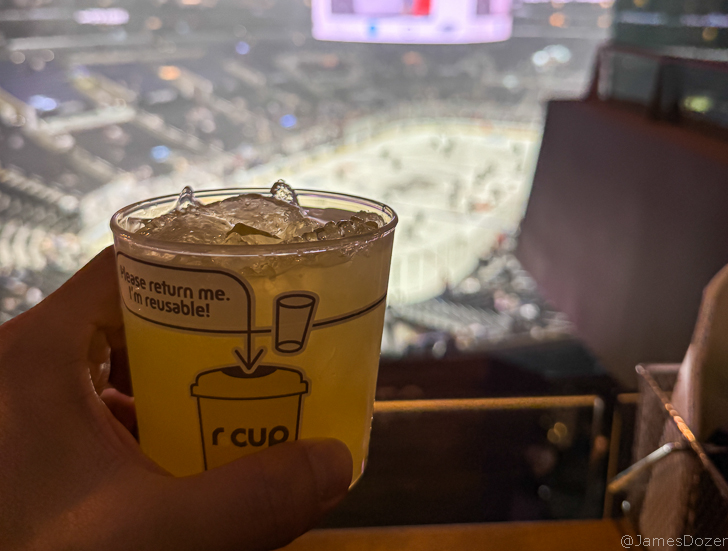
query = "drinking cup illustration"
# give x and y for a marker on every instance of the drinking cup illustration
(294, 314)
(241, 413)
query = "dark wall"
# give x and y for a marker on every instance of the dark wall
(627, 222)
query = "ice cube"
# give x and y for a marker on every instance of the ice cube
(243, 230)
(254, 219)
(283, 192)
(370, 217)
(250, 239)
(135, 224)
(364, 222)
(186, 199)
(242, 234)
(191, 225)
(270, 215)
(328, 231)
(347, 228)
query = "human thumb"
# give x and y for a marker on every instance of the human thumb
(262, 501)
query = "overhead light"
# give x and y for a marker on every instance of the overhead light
(557, 19)
(169, 72)
(160, 153)
(102, 16)
(43, 103)
(288, 121)
(698, 104)
(540, 58)
(153, 23)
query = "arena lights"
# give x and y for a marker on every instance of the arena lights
(603, 3)
(160, 153)
(169, 72)
(43, 103)
(698, 104)
(710, 20)
(288, 121)
(102, 16)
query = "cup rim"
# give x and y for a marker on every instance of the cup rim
(307, 247)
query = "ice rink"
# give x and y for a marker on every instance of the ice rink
(457, 186)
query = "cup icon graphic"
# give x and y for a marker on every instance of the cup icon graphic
(294, 313)
(242, 413)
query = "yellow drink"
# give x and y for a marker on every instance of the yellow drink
(231, 353)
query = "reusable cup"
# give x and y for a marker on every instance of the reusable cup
(235, 348)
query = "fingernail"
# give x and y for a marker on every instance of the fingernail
(332, 467)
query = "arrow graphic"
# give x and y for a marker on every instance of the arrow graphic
(248, 362)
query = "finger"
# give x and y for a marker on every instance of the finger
(262, 501)
(90, 299)
(120, 378)
(121, 407)
(77, 324)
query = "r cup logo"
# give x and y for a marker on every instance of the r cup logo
(241, 413)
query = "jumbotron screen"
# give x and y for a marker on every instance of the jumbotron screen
(412, 21)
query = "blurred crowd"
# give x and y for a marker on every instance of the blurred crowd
(97, 93)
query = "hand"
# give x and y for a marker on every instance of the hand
(73, 477)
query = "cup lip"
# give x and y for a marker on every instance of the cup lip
(249, 250)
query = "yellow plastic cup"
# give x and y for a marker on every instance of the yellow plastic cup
(233, 348)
